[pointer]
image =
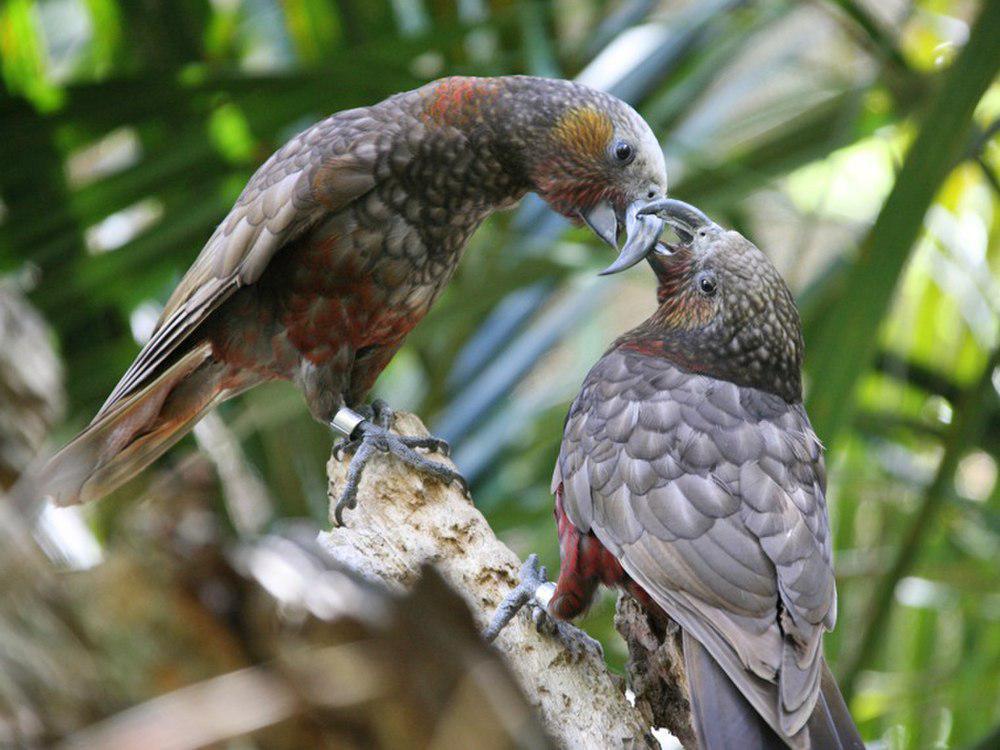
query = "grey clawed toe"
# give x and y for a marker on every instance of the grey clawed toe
(373, 436)
(535, 590)
(531, 577)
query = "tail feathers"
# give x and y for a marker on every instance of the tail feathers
(723, 719)
(799, 683)
(130, 435)
(831, 727)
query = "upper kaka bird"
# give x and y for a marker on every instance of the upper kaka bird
(690, 476)
(340, 243)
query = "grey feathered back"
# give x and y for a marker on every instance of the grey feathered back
(712, 496)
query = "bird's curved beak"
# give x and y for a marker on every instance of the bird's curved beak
(646, 221)
(602, 221)
(642, 230)
(682, 217)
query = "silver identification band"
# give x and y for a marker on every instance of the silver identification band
(544, 593)
(345, 421)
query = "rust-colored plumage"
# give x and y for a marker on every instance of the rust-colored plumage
(339, 245)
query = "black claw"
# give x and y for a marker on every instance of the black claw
(440, 446)
(349, 496)
(341, 447)
(543, 623)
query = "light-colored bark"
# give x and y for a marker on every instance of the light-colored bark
(404, 520)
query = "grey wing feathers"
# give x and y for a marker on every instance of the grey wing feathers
(711, 495)
(319, 171)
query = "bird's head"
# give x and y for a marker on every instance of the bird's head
(590, 156)
(723, 307)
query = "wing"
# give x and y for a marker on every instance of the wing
(712, 497)
(318, 172)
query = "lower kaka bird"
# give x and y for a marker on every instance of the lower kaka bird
(689, 475)
(338, 246)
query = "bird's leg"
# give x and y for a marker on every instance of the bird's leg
(350, 436)
(368, 434)
(536, 591)
(382, 414)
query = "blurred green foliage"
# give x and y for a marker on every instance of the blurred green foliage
(127, 130)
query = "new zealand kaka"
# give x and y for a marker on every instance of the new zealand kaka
(690, 476)
(338, 246)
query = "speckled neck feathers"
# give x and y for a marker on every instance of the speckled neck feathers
(547, 135)
(748, 332)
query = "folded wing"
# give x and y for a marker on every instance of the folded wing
(712, 497)
(317, 173)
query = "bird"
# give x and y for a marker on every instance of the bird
(689, 476)
(340, 243)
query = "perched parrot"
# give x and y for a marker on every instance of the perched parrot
(338, 246)
(689, 475)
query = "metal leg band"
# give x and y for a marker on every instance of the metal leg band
(346, 421)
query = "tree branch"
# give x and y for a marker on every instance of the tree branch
(403, 521)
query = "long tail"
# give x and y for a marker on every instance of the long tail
(724, 719)
(129, 435)
(831, 725)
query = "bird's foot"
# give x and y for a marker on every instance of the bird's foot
(535, 591)
(371, 436)
(380, 414)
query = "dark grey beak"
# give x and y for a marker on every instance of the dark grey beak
(682, 217)
(603, 222)
(644, 222)
(642, 230)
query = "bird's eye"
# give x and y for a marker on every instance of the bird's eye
(707, 284)
(624, 152)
